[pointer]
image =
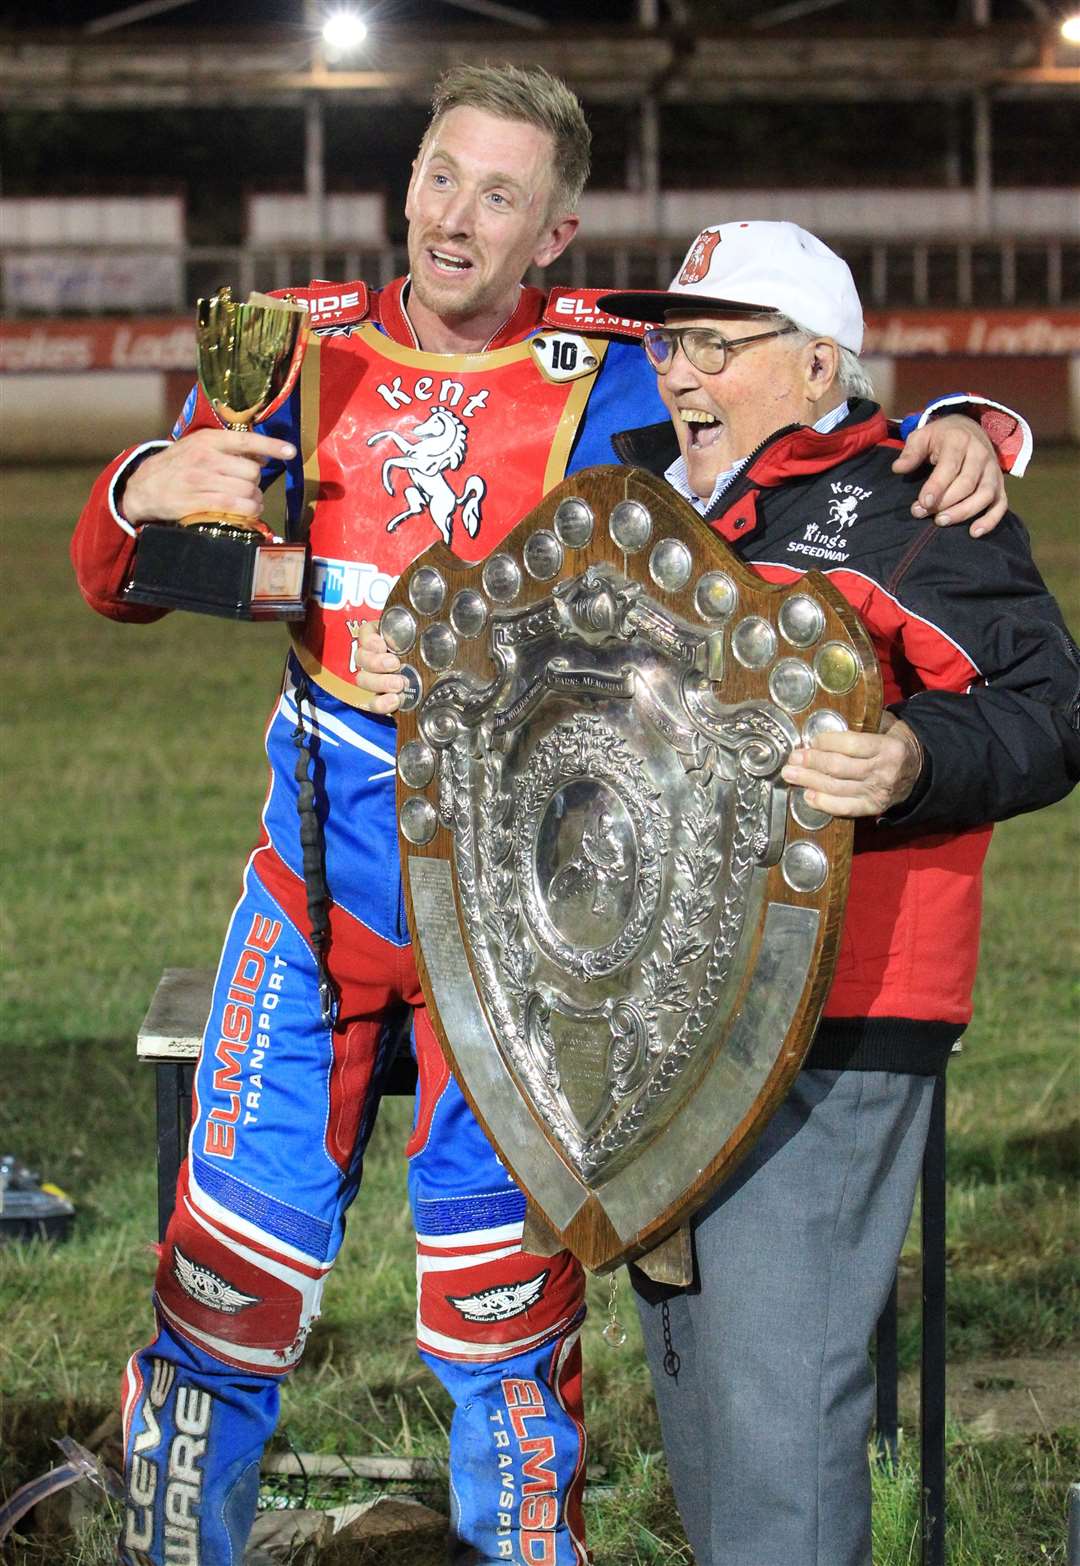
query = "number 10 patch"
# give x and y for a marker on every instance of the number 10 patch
(563, 356)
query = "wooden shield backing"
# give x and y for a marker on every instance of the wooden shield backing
(626, 922)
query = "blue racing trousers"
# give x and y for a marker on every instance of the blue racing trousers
(283, 1107)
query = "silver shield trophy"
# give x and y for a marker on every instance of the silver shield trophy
(626, 920)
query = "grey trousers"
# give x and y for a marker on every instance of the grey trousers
(767, 1423)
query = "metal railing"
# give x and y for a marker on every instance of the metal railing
(891, 273)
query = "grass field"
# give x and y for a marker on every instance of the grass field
(132, 779)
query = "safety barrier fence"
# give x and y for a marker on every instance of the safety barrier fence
(892, 272)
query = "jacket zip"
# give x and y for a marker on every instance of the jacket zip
(741, 484)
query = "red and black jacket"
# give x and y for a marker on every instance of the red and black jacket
(975, 657)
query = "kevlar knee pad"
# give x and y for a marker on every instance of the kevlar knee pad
(245, 1300)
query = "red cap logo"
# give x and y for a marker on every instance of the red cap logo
(697, 263)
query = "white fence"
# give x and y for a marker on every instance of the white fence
(92, 220)
(944, 215)
(893, 274)
(276, 220)
(95, 255)
(92, 253)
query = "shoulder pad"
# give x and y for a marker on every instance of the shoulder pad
(576, 309)
(331, 304)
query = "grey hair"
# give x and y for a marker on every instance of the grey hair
(852, 376)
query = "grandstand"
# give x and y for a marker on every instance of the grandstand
(153, 154)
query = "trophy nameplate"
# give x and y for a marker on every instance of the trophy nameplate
(248, 357)
(626, 922)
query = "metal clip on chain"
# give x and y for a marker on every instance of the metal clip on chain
(614, 1333)
(672, 1362)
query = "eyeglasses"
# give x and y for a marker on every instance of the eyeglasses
(706, 350)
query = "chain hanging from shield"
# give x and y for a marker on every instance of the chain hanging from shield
(626, 921)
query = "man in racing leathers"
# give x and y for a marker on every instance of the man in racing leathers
(444, 405)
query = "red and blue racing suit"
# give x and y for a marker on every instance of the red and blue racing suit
(397, 449)
(284, 1103)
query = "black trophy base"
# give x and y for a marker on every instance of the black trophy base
(238, 574)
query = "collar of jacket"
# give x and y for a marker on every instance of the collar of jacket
(524, 318)
(795, 451)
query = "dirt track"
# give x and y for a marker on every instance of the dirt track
(995, 1397)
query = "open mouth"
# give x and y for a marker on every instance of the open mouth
(448, 264)
(704, 428)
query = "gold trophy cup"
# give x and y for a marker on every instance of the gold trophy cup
(248, 357)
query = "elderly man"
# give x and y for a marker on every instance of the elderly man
(761, 1368)
(296, 1045)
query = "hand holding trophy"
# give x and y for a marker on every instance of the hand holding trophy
(248, 357)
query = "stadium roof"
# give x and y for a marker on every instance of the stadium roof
(436, 15)
(826, 56)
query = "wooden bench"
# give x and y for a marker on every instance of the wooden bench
(170, 1037)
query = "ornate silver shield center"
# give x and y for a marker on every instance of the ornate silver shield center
(605, 870)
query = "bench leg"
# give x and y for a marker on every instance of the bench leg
(173, 1081)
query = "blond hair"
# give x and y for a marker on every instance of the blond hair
(534, 97)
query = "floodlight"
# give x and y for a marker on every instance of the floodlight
(1070, 29)
(344, 31)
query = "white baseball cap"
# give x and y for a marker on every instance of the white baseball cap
(754, 267)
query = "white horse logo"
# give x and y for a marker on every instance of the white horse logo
(437, 444)
(843, 511)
